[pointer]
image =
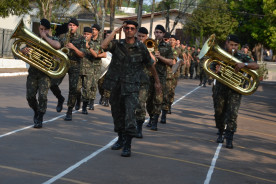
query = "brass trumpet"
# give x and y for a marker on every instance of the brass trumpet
(244, 82)
(42, 56)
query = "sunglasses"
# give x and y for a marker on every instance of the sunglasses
(165, 39)
(130, 28)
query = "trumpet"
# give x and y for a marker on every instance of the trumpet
(244, 82)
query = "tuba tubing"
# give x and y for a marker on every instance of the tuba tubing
(245, 82)
(55, 63)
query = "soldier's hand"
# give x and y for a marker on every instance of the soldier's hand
(158, 88)
(157, 54)
(70, 46)
(239, 66)
(218, 68)
(25, 50)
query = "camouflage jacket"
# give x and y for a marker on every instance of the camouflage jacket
(96, 46)
(165, 50)
(79, 42)
(87, 62)
(126, 67)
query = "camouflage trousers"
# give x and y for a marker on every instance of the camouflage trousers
(166, 94)
(123, 109)
(184, 70)
(141, 109)
(54, 87)
(103, 92)
(97, 74)
(37, 83)
(226, 104)
(202, 76)
(154, 101)
(84, 86)
(73, 73)
(174, 84)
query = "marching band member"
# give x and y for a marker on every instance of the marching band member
(37, 81)
(76, 44)
(164, 57)
(226, 100)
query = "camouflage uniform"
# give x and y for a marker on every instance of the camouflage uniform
(196, 63)
(192, 63)
(96, 46)
(202, 73)
(79, 42)
(103, 92)
(37, 82)
(154, 101)
(227, 102)
(123, 80)
(86, 76)
(177, 54)
(184, 70)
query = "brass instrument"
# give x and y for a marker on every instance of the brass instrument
(42, 56)
(244, 82)
(151, 44)
(65, 49)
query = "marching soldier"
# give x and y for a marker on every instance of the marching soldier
(184, 70)
(164, 57)
(168, 88)
(142, 36)
(129, 56)
(226, 100)
(76, 44)
(37, 81)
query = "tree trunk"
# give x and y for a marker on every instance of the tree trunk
(112, 14)
(152, 17)
(139, 13)
(103, 17)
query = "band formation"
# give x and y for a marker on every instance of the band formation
(141, 77)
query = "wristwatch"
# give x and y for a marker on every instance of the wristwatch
(246, 64)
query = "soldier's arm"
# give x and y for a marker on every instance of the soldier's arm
(108, 39)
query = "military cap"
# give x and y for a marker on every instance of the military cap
(97, 26)
(143, 30)
(45, 23)
(87, 30)
(74, 21)
(233, 38)
(161, 28)
(173, 36)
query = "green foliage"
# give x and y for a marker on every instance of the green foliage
(211, 16)
(257, 21)
(13, 7)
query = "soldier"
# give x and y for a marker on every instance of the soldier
(86, 70)
(76, 44)
(129, 56)
(245, 50)
(96, 45)
(184, 70)
(191, 53)
(177, 55)
(164, 57)
(196, 61)
(168, 86)
(37, 81)
(202, 73)
(142, 36)
(226, 100)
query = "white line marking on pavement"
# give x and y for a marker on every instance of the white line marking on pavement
(13, 74)
(80, 162)
(211, 169)
(44, 122)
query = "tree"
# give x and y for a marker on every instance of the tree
(139, 12)
(211, 16)
(13, 7)
(257, 21)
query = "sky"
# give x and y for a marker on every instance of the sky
(150, 1)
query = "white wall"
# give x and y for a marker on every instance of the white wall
(12, 21)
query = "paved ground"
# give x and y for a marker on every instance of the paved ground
(181, 151)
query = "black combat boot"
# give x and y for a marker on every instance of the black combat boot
(60, 104)
(84, 108)
(169, 111)
(139, 128)
(91, 104)
(229, 138)
(106, 102)
(68, 116)
(119, 143)
(78, 102)
(39, 121)
(220, 138)
(154, 122)
(200, 84)
(150, 122)
(35, 116)
(126, 152)
(163, 117)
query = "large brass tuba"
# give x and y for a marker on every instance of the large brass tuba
(42, 56)
(244, 82)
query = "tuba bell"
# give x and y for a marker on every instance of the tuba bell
(244, 82)
(42, 56)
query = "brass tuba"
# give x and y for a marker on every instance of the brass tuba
(244, 82)
(42, 56)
